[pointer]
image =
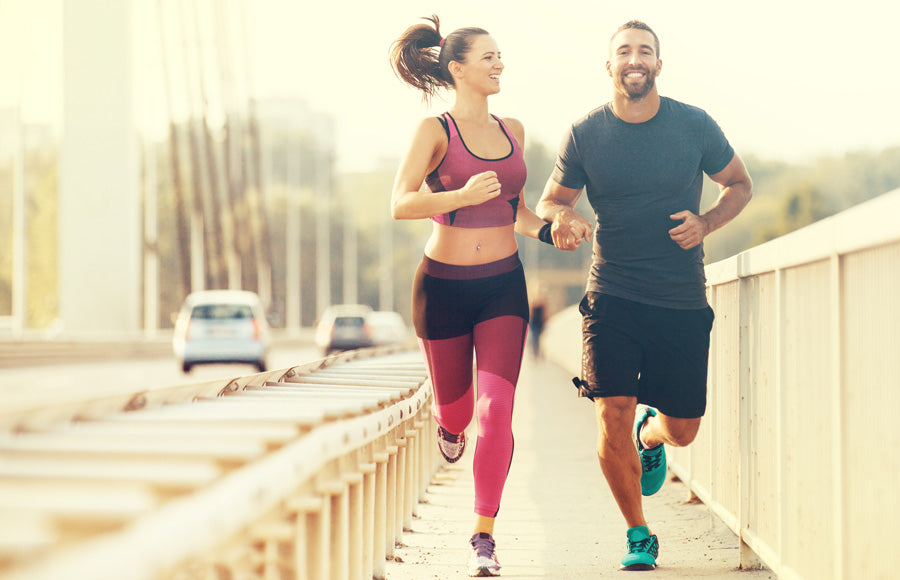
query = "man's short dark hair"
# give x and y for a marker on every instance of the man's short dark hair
(636, 25)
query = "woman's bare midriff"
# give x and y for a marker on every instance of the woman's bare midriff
(471, 246)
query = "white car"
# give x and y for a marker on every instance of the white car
(344, 327)
(221, 326)
(387, 327)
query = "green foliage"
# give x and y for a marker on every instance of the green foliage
(42, 281)
(788, 197)
(6, 241)
(799, 207)
(41, 276)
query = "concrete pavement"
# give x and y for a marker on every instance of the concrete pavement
(558, 519)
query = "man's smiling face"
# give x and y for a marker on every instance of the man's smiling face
(633, 63)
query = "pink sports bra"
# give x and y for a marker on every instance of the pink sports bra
(459, 164)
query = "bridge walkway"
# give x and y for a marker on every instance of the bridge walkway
(558, 519)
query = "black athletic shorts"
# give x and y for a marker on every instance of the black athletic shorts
(659, 355)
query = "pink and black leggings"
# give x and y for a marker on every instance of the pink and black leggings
(458, 310)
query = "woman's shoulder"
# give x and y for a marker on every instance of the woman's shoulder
(432, 123)
(513, 123)
(432, 128)
(515, 126)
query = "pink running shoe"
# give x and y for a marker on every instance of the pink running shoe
(483, 561)
(450, 445)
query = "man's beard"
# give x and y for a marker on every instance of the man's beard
(637, 92)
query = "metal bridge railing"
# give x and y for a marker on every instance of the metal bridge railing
(310, 472)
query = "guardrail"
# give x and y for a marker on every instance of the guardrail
(42, 348)
(795, 453)
(308, 472)
(19, 353)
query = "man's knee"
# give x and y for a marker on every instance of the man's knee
(615, 410)
(615, 419)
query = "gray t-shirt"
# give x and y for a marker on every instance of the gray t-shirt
(636, 175)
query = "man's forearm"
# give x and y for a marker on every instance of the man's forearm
(731, 202)
(547, 208)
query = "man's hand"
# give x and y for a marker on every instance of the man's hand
(569, 229)
(692, 230)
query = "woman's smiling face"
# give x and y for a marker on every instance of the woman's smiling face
(483, 65)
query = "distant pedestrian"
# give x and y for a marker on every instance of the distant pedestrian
(641, 159)
(536, 324)
(469, 293)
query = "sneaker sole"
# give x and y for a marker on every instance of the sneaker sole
(639, 567)
(454, 460)
(461, 451)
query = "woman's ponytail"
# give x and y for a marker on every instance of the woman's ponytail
(420, 57)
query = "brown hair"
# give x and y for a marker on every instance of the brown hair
(635, 25)
(420, 56)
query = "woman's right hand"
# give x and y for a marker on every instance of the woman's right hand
(480, 188)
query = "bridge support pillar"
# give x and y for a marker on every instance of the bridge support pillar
(99, 194)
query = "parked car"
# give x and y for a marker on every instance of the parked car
(387, 327)
(221, 326)
(344, 327)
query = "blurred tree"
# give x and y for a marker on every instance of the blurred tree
(6, 241)
(800, 207)
(787, 197)
(42, 278)
(41, 284)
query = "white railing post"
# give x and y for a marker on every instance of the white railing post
(319, 524)
(712, 404)
(379, 545)
(368, 523)
(837, 432)
(747, 432)
(354, 502)
(411, 487)
(401, 501)
(781, 410)
(308, 546)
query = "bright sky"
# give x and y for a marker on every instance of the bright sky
(783, 81)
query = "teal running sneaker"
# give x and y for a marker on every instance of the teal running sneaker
(642, 549)
(653, 460)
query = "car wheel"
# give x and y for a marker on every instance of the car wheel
(186, 367)
(261, 365)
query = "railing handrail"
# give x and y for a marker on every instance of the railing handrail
(835, 235)
(375, 454)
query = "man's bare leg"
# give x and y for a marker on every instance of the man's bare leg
(618, 456)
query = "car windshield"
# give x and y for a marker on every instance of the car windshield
(221, 312)
(349, 321)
